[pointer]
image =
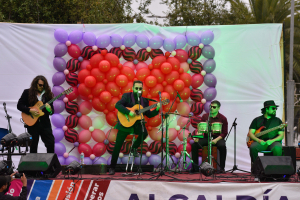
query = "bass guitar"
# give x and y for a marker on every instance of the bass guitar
(30, 119)
(258, 133)
(128, 121)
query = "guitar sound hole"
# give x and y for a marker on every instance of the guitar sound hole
(136, 112)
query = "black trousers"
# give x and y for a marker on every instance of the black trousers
(45, 131)
(121, 136)
(221, 145)
(275, 147)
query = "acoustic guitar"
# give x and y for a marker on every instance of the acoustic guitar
(30, 119)
(258, 133)
(128, 121)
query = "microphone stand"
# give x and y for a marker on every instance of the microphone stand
(8, 117)
(139, 171)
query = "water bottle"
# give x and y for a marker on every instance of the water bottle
(82, 158)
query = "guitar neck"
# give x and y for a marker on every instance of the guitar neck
(267, 131)
(148, 108)
(49, 102)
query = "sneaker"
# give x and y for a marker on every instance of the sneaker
(111, 171)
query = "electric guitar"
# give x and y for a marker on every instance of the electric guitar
(128, 121)
(30, 119)
(258, 133)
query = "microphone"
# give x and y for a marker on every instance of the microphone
(179, 97)
(159, 93)
(4, 104)
(139, 94)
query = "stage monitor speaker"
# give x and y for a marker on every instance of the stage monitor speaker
(290, 151)
(40, 165)
(273, 168)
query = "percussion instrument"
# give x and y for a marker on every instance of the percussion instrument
(216, 127)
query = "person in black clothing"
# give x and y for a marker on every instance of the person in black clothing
(4, 187)
(39, 91)
(270, 141)
(129, 100)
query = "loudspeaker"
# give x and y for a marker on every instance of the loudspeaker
(39, 165)
(290, 151)
(273, 168)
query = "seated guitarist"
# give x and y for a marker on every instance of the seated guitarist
(129, 100)
(270, 141)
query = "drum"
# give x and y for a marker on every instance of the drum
(216, 127)
(202, 127)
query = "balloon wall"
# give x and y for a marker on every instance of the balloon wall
(104, 69)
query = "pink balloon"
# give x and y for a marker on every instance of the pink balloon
(86, 149)
(111, 135)
(85, 122)
(84, 63)
(182, 121)
(188, 148)
(129, 64)
(155, 134)
(181, 55)
(141, 65)
(98, 135)
(183, 108)
(84, 136)
(186, 133)
(99, 149)
(197, 80)
(185, 66)
(172, 134)
(85, 107)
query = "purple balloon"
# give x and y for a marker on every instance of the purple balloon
(75, 37)
(60, 148)
(58, 134)
(99, 161)
(187, 162)
(61, 35)
(192, 142)
(144, 160)
(156, 42)
(103, 41)
(207, 37)
(119, 161)
(125, 159)
(58, 78)
(59, 64)
(209, 66)
(154, 160)
(60, 50)
(70, 159)
(208, 52)
(59, 106)
(89, 38)
(56, 90)
(180, 41)
(116, 40)
(199, 160)
(76, 144)
(61, 160)
(88, 161)
(142, 41)
(173, 162)
(129, 40)
(207, 106)
(210, 94)
(169, 45)
(210, 80)
(193, 39)
(58, 120)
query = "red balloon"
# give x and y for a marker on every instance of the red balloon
(186, 134)
(97, 89)
(150, 81)
(170, 90)
(186, 78)
(178, 85)
(73, 95)
(142, 73)
(85, 122)
(158, 75)
(167, 107)
(104, 66)
(98, 105)
(112, 74)
(154, 121)
(113, 59)
(111, 118)
(121, 80)
(99, 149)
(105, 97)
(183, 108)
(145, 91)
(158, 61)
(171, 77)
(83, 74)
(110, 106)
(153, 102)
(113, 89)
(127, 88)
(155, 134)
(154, 91)
(85, 148)
(128, 72)
(111, 135)
(90, 81)
(197, 80)
(185, 93)
(84, 90)
(167, 54)
(95, 60)
(164, 96)
(174, 62)
(181, 55)
(172, 134)
(188, 147)
(74, 51)
(166, 68)
(100, 76)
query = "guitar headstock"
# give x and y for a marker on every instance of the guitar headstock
(283, 125)
(68, 91)
(165, 102)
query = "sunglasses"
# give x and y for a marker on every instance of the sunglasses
(41, 85)
(214, 107)
(273, 108)
(138, 88)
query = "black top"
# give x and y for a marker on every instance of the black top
(22, 196)
(129, 100)
(23, 106)
(219, 118)
(267, 123)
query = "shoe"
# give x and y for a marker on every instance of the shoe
(111, 171)
(135, 153)
(192, 171)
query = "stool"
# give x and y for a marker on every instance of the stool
(214, 153)
(130, 155)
